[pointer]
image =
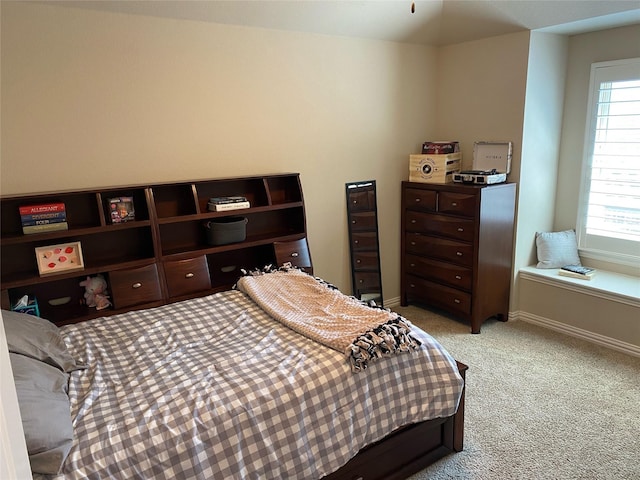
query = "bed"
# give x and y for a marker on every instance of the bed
(216, 387)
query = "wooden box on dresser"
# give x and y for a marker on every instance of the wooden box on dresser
(161, 256)
(457, 248)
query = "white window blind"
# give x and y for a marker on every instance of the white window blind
(609, 218)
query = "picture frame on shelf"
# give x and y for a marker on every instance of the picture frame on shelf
(60, 258)
(121, 210)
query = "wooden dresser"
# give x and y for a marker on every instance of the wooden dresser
(164, 255)
(457, 248)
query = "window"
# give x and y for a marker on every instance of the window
(609, 214)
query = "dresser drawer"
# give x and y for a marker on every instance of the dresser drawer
(452, 300)
(364, 241)
(187, 276)
(363, 261)
(440, 248)
(295, 252)
(457, 204)
(452, 227)
(362, 221)
(417, 199)
(135, 286)
(453, 275)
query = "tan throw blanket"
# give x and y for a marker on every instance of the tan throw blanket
(322, 313)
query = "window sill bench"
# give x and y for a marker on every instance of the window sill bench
(615, 287)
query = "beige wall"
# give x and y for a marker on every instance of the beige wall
(481, 91)
(93, 99)
(481, 96)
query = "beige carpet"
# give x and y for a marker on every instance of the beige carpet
(539, 405)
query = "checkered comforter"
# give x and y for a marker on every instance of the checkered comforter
(213, 388)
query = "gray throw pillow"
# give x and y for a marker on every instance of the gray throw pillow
(557, 249)
(37, 338)
(45, 411)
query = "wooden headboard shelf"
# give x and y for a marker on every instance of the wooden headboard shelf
(161, 256)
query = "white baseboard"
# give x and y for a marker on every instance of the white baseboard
(596, 338)
(392, 302)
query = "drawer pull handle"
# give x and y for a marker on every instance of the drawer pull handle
(417, 200)
(361, 281)
(355, 202)
(413, 221)
(189, 275)
(456, 300)
(413, 285)
(454, 204)
(353, 222)
(294, 254)
(412, 264)
(356, 242)
(413, 243)
(460, 229)
(358, 261)
(458, 277)
(459, 254)
(136, 285)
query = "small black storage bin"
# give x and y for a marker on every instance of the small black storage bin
(222, 231)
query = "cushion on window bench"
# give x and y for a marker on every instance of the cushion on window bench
(557, 249)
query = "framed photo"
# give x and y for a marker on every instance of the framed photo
(121, 209)
(61, 258)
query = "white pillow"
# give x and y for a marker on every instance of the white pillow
(557, 249)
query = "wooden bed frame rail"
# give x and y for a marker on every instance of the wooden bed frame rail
(409, 449)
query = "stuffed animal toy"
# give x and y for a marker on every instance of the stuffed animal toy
(96, 294)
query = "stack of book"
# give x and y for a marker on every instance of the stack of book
(47, 217)
(220, 204)
(577, 271)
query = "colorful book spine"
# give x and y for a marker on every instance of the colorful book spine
(48, 227)
(44, 208)
(43, 218)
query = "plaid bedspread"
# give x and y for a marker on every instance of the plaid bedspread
(213, 388)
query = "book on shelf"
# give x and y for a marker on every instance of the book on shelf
(43, 218)
(223, 200)
(48, 227)
(577, 271)
(43, 208)
(228, 206)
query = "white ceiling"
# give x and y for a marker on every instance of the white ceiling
(435, 22)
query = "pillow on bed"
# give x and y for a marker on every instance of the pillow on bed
(557, 249)
(45, 411)
(37, 338)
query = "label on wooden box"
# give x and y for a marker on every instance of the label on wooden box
(434, 168)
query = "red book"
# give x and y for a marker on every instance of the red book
(44, 208)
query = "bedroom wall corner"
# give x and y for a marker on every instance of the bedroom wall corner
(482, 86)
